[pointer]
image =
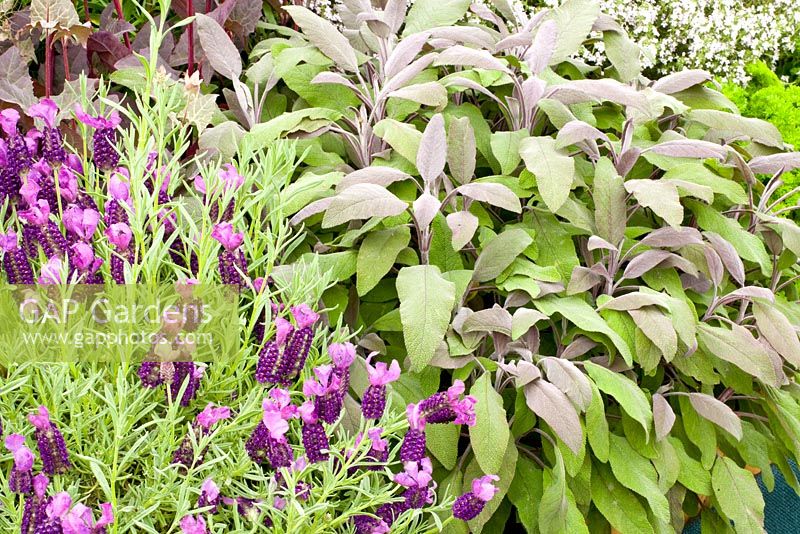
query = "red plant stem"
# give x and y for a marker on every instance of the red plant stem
(65, 57)
(48, 65)
(86, 11)
(208, 6)
(190, 30)
(121, 15)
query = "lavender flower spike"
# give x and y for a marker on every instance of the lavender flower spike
(325, 390)
(202, 425)
(20, 480)
(193, 525)
(55, 512)
(231, 259)
(268, 441)
(50, 441)
(373, 402)
(15, 261)
(469, 505)
(52, 143)
(105, 154)
(416, 477)
(315, 440)
(80, 520)
(34, 514)
(209, 496)
(413, 447)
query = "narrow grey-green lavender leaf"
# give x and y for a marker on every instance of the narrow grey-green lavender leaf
(499, 252)
(626, 392)
(554, 169)
(490, 433)
(737, 493)
(377, 254)
(426, 301)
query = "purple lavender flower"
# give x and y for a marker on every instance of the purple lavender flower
(202, 424)
(193, 525)
(119, 235)
(150, 374)
(366, 524)
(80, 520)
(84, 261)
(231, 180)
(282, 360)
(34, 514)
(232, 263)
(185, 371)
(342, 355)
(315, 440)
(17, 158)
(324, 389)
(416, 477)
(52, 144)
(447, 407)
(51, 272)
(413, 447)
(379, 450)
(268, 441)
(469, 505)
(55, 511)
(52, 449)
(104, 140)
(15, 261)
(246, 508)
(20, 480)
(374, 401)
(209, 496)
(80, 222)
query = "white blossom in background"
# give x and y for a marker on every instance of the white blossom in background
(720, 36)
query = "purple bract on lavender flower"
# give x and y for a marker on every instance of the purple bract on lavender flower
(202, 424)
(282, 359)
(209, 496)
(52, 144)
(324, 389)
(34, 513)
(268, 441)
(315, 440)
(232, 263)
(20, 480)
(416, 477)
(373, 402)
(193, 525)
(50, 441)
(104, 139)
(469, 505)
(15, 261)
